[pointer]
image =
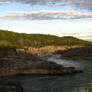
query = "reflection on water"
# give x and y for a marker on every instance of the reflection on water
(81, 82)
(87, 88)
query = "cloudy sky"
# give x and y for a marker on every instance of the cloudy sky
(46, 16)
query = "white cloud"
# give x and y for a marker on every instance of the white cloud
(45, 15)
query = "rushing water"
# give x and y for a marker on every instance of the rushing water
(81, 82)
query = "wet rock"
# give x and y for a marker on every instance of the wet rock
(71, 70)
(8, 85)
(13, 63)
(79, 53)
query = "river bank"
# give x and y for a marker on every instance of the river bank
(80, 82)
(18, 63)
(15, 64)
(79, 53)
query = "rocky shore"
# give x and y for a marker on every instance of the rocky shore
(79, 53)
(15, 63)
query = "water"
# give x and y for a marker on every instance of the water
(81, 82)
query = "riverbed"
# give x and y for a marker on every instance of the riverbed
(81, 82)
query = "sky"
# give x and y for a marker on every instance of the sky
(56, 17)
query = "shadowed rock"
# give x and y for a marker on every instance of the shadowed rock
(78, 53)
(15, 63)
(9, 85)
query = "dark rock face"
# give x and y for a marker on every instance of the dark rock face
(78, 53)
(8, 85)
(59, 52)
(13, 63)
(70, 70)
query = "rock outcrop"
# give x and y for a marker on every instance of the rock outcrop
(14, 63)
(84, 53)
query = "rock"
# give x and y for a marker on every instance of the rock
(59, 52)
(13, 63)
(71, 70)
(79, 53)
(9, 85)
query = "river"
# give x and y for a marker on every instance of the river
(81, 82)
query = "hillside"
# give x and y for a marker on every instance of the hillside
(14, 62)
(21, 40)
